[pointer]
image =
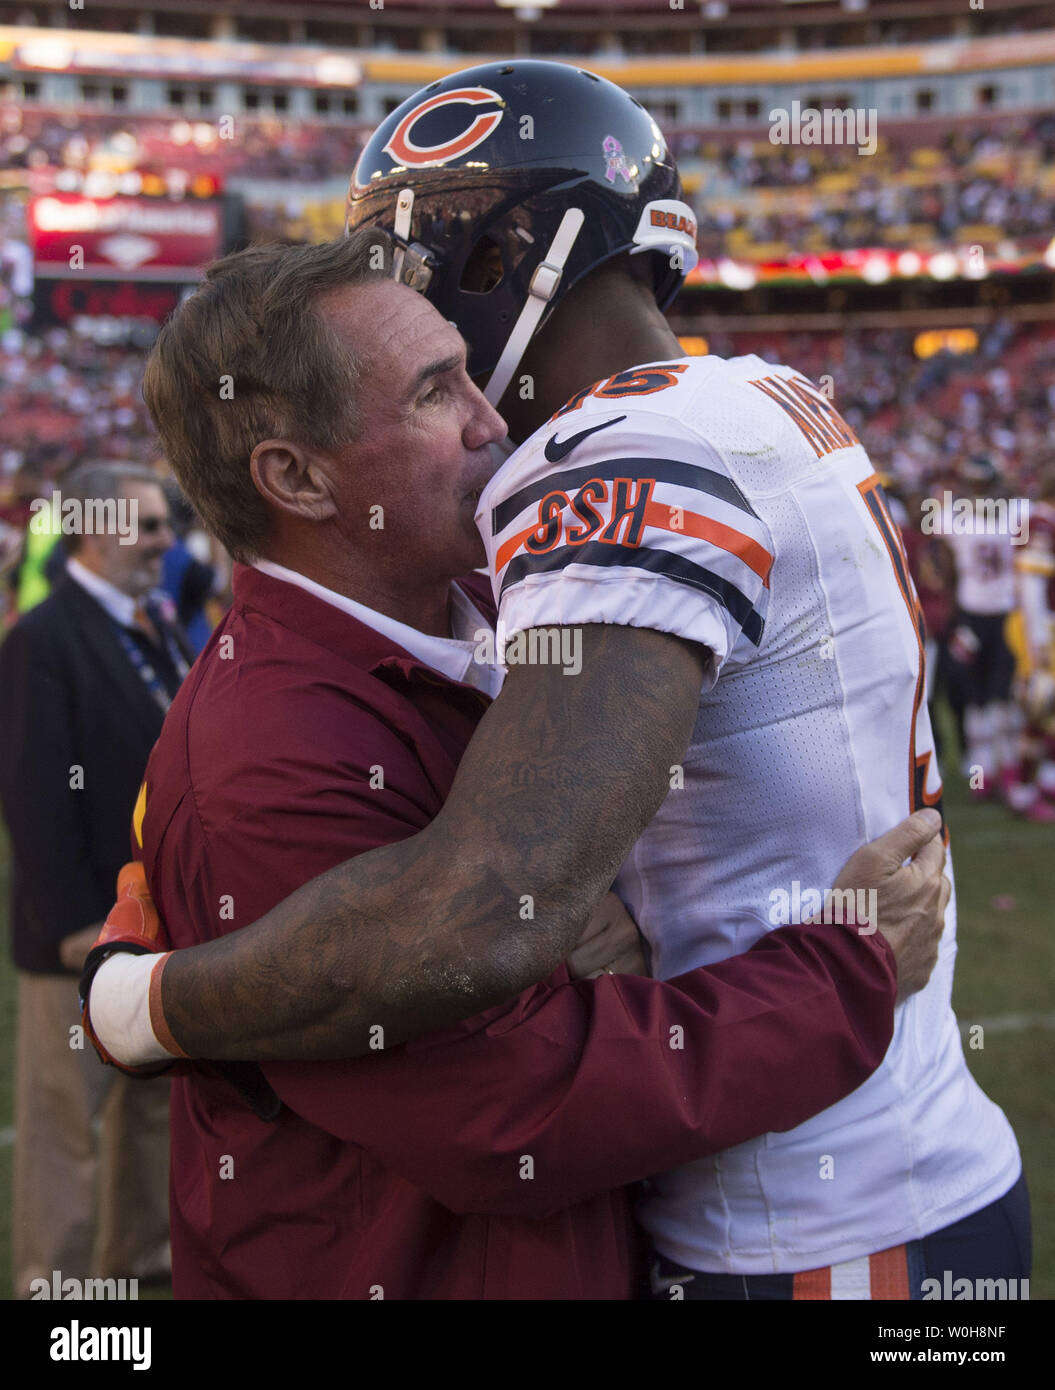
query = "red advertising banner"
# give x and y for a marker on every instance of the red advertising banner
(62, 301)
(134, 238)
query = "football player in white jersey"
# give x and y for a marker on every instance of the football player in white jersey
(982, 665)
(728, 504)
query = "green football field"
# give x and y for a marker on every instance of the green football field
(1005, 970)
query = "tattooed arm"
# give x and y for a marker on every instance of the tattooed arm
(560, 779)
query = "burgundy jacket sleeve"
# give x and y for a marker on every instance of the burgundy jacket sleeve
(580, 1087)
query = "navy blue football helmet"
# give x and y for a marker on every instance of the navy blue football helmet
(504, 184)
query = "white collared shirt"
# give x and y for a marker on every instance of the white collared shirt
(454, 656)
(120, 606)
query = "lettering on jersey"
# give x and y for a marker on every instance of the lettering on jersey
(628, 508)
(595, 491)
(637, 381)
(874, 498)
(557, 510)
(575, 401)
(550, 521)
(598, 515)
(813, 414)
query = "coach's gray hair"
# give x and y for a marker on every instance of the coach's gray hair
(244, 359)
(103, 481)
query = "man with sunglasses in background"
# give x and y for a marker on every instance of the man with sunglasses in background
(85, 680)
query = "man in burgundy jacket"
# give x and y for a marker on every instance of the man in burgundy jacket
(328, 715)
(487, 1161)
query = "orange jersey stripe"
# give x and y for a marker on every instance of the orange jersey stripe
(813, 1284)
(888, 1273)
(510, 548)
(704, 528)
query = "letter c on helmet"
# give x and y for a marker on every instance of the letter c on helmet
(403, 149)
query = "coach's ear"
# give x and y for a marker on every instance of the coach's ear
(292, 478)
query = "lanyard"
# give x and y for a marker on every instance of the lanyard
(147, 674)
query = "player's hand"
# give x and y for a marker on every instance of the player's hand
(911, 896)
(73, 949)
(611, 943)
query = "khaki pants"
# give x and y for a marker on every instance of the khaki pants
(91, 1152)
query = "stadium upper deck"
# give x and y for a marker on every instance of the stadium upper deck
(543, 28)
(118, 99)
(708, 63)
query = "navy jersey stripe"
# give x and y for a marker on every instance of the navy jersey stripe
(675, 567)
(688, 475)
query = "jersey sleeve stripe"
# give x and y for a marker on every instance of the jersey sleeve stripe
(662, 515)
(661, 562)
(509, 548)
(705, 528)
(687, 475)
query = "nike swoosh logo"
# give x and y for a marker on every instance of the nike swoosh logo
(663, 1283)
(556, 450)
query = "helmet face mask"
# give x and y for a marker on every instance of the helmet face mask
(494, 158)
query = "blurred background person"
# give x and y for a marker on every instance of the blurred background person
(85, 680)
(982, 666)
(195, 572)
(1032, 638)
(33, 557)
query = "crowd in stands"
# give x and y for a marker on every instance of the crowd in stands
(920, 419)
(273, 147)
(754, 199)
(66, 399)
(968, 186)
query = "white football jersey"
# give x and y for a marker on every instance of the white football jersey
(985, 572)
(729, 503)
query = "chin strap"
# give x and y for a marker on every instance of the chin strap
(543, 287)
(404, 209)
(411, 263)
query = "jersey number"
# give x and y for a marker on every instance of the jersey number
(874, 498)
(638, 381)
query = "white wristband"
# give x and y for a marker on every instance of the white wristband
(120, 1009)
